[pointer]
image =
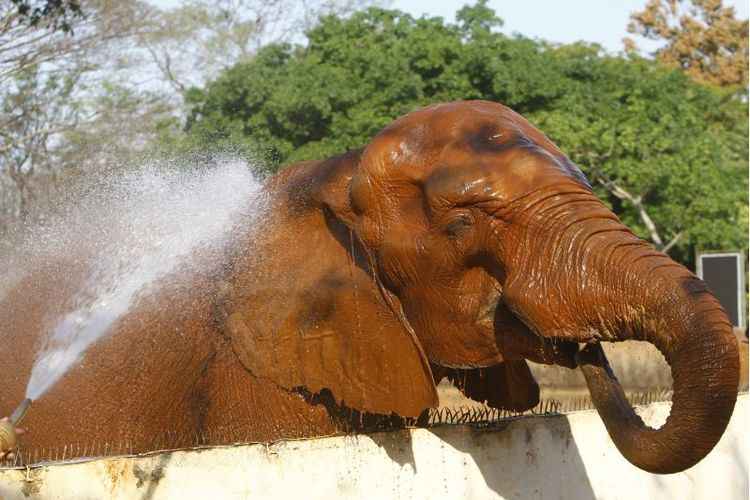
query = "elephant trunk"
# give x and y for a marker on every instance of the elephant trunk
(702, 353)
(606, 284)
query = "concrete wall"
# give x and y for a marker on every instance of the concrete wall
(564, 457)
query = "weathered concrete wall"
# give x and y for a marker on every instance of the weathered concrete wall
(543, 457)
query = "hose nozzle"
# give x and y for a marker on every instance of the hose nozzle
(20, 412)
(8, 436)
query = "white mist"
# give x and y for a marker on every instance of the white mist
(141, 226)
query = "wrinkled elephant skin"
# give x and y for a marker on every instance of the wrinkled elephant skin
(460, 242)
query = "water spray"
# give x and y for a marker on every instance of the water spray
(8, 435)
(131, 231)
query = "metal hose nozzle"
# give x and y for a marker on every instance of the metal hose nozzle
(20, 412)
(8, 436)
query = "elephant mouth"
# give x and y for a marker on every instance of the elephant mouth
(516, 340)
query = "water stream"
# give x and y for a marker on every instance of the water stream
(136, 227)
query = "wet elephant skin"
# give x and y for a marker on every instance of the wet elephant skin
(460, 242)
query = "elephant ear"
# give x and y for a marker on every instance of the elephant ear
(509, 385)
(303, 309)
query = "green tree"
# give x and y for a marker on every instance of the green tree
(668, 154)
(88, 83)
(199, 38)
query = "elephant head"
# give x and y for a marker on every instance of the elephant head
(487, 246)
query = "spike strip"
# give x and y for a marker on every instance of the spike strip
(481, 416)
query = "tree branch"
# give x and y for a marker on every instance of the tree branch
(637, 203)
(672, 242)
(166, 68)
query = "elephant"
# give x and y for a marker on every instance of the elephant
(460, 242)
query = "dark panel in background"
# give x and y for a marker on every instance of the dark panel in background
(720, 273)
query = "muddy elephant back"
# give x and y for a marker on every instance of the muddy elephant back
(135, 389)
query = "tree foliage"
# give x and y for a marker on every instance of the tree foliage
(51, 85)
(54, 14)
(701, 37)
(89, 82)
(199, 38)
(669, 155)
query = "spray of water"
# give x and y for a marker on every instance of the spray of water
(138, 227)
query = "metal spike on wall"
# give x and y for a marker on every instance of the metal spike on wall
(475, 415)
(546, 407)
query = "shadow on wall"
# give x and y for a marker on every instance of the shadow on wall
(537, 456)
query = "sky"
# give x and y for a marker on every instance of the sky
(564, 21)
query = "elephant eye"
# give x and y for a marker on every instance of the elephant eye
(458, 225)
